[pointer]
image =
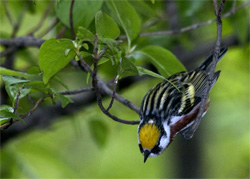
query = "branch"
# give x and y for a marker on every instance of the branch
(77, 91)
(97, 90)
(115, 81)
(71, 19)
(60, 34)
(191, 27)
(218, 9)
(24, 41)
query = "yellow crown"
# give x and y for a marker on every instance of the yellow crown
(149, 135)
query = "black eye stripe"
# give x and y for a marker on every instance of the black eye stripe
(141, 149)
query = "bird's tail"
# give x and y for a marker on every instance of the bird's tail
(205, 66)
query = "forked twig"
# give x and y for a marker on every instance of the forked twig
(98, 92)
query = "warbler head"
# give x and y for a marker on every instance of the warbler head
(153, 138)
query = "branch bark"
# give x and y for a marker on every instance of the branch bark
(218, 9)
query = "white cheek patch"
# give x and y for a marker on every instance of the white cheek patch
(152, 155)
(164, 141)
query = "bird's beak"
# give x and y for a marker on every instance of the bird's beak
(146, 154)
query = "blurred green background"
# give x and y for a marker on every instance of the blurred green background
(87, 144)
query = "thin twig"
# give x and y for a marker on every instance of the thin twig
(106, 90)
(218, 9)
(115, 82)
(71, 20)
(85, 65)
(95, 84)
(77, 91)
(39, 101)
(44, 16)
(15, 107)
(17, 99)
(102, 52)
(191, 27)
(60, 34)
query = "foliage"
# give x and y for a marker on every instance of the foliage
(106, 19)
(88, 139)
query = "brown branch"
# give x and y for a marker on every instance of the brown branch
(77, 91)
(95, 84)
(115, 82)
(60, 34)
(24, 41)
(39, 101)
(218, 9)
(17, 99)
(191, 27)
(103, 87)
(71, 20)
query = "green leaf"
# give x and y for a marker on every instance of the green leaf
(38, 86)
(34, 70)
(164, 60)
(52, 56)
(5, 108)
(83, 12)
(127, 68)
(10, 80)
(99, 132)
(127, 17)
(6, 115)
(5, 71)
(59, 81)
(13, 91)
(143, 8)
(144, 71)
(85, 35)
(105, 26)
(65, 100)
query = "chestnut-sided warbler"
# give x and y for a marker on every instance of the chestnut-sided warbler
(172, 106)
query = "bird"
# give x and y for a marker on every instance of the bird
(172, 106)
